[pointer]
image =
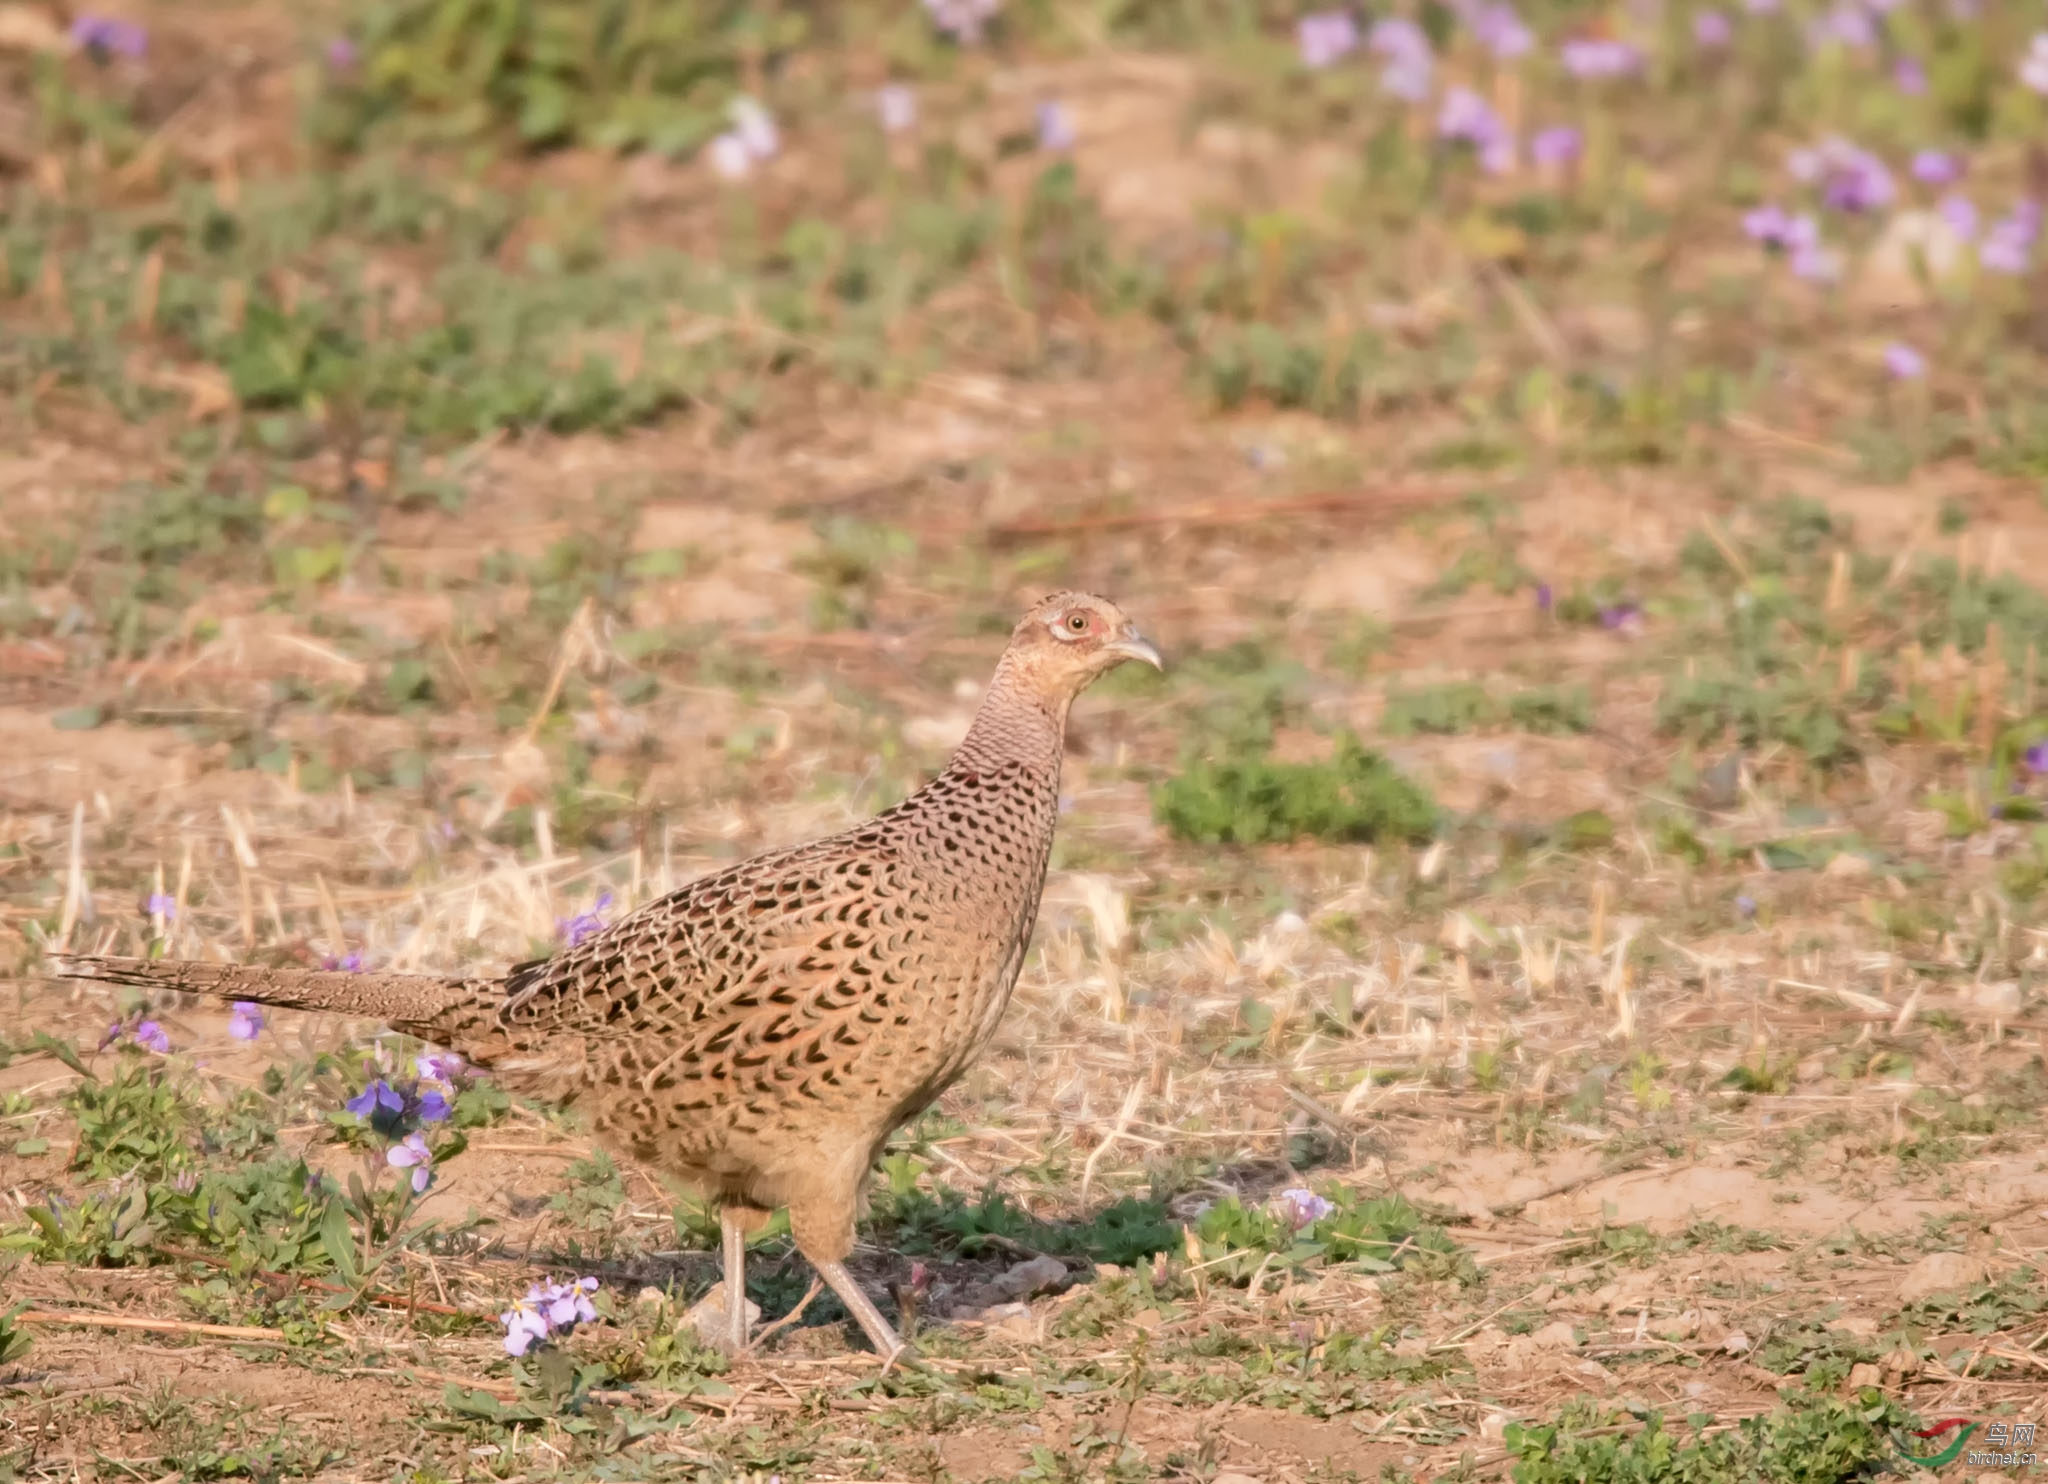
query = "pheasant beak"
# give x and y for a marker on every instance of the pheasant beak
(1133, 645)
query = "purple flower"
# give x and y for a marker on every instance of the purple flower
(441, 1066)
(1850, 179)
(1762, 7)
(1745, 905)
(1936, 167)
(1559, 145)
(376, 1101)
(1910, 76)
(1816, 263)
(1055, 127)
(524, 1328)
(1326, 36)
(151, 1035)
(1467, 118)
(351, 963)
(730, 157)
(342, 54)
(412, 1153)
(2034, 66)
(2036, 758)
(1499, 29)
(1625, 617)
(896, 106)
(1847, 23)
(1772, 226)
(1411, 66)
(547, 1309)
(755, 127)
(1904, 362)
(1712, 29)
(161, 904)
(1545, 599)
(1300, 1208)
(1960, 212)
(2009, 244)
(963, 20)
(433, 1106)
(584, 924)
(245, 1020)
(1591, 57)
(106, 36)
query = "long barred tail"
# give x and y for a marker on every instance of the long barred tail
(430, 1006)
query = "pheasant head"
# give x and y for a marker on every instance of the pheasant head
(1069, 641)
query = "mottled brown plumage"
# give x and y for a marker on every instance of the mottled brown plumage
(762, 1031)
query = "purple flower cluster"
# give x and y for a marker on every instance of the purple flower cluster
(2008, 246)
(1595, 57)
(1904, 362)
(1936, 167)
(348, 963)
(1798, 237)
(1055, 127)
(1556, 147)
(108, 36)
(752, 138)
(1498, 28)
(1467, 118)
(1846, 23)
(896, 107)
(1410, 72)
(549, 1309)
(1850, 179)
(2036, 758)
(161, 904)
(1712, 30)
(144, 1033)
(1326, 36)
(1624, 617)
(245, 1020)
(2034, 66)
(964, 20)
(388, 1109)
(1300, 1208)
(584, 924)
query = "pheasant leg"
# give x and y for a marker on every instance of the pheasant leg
(735, 1222)
(888, 1344)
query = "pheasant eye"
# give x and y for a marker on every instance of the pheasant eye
(1078, 622)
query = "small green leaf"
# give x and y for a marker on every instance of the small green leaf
(339, 1240)
(78, 718)
(27, 1147)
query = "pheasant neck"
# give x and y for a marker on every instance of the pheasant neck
(1015, 726)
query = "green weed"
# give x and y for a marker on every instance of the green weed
(1354, 795)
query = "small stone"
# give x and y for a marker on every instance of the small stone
(1866, 1374)
(1940, 1272)
(1030, 1278)
(1148, 1320)
(707, 1317)
(1556, 1335)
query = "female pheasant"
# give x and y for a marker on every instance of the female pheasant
(762, 1031)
